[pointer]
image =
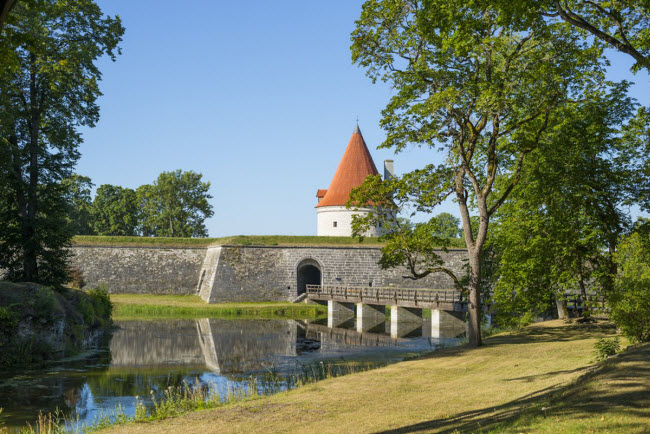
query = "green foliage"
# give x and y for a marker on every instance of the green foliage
(558, 230)
(115, 211)
(175, 205)
(101, 305)
(79, 202)
(49, 88)
(445, 225)
(623, 25)
(630, 300)
(606, 347)
(9, 318)
(479, 89)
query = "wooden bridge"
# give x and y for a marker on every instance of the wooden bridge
(448, 300)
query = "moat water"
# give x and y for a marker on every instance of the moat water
(150, 356)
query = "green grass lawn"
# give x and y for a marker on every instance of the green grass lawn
(131, 306)
(238, 240)
(539, 379)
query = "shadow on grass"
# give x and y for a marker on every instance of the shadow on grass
(621, 385)
(536, 334)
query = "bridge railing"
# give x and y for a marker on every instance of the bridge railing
(385, 295)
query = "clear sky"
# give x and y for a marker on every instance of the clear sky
(260, 97)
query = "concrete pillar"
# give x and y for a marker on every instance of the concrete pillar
(404, 320)
(338, 312)
(405, 314)
(370, 316)
(445, 324)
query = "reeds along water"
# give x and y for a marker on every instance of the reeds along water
(197, 395)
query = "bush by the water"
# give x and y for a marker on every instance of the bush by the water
(630, 300)
(39, 323)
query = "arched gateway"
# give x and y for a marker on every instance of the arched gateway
(308, 273)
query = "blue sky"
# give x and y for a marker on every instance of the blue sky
(261, 99)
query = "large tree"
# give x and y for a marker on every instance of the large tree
(175, 205)
(115, 211)
(48, 88)
(78, 197)
(475, 87)
(559, 230)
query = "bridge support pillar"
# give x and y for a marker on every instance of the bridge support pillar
(338, 312)
(445, 324)
(404, 320)
(370, 316)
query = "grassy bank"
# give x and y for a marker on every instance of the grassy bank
(540, 379)
(238, 240)
(127, 306)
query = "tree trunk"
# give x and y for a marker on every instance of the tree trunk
(30, 261)
(474, 306)
(583, 294)
(562, 311)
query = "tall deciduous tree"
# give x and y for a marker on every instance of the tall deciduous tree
(48, 88)
(477, 88)
(78, 197)
(175, 205)
(559, 230)
(115, 211)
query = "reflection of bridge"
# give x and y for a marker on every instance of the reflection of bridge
(447, 307)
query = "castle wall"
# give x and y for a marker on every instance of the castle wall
(243, 273)
(140, 270)
(250, 273)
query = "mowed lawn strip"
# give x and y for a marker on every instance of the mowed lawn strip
(460, 389)
(127, 306)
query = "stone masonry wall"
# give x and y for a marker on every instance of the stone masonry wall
(243, 273)
(140, 270)
(256, 273)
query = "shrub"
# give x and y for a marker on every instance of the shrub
(102, 304)
(76, 278)
(607, 347)
(630, 300)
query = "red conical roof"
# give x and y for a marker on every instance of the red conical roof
(354, 168)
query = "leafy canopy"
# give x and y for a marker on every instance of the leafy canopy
(49, 85)
(475, 87)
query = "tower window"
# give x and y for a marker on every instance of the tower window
(334, 224)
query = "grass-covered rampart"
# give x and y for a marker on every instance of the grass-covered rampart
(131, 306)
(39, 323)
(238, 240)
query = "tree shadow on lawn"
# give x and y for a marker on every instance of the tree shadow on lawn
(536, 334)
(621, 385)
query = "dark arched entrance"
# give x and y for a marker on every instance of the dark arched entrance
(309, 273)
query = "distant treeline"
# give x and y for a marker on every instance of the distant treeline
(174, 205)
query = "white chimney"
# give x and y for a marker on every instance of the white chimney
(388, 170)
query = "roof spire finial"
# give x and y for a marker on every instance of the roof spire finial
(356, 129)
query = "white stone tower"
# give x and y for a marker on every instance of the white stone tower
(333, 219)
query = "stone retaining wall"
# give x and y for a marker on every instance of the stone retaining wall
(244, 273)
(140, 270)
